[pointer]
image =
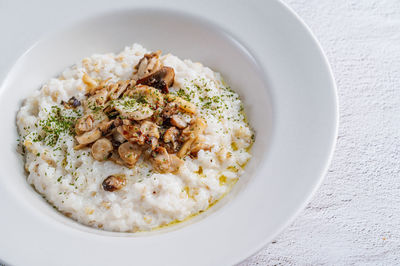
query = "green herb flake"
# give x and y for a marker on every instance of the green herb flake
(56, 125)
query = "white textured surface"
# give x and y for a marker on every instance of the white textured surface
(354, 218)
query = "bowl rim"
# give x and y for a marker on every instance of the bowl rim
(328, 160)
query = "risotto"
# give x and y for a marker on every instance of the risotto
(134, 141)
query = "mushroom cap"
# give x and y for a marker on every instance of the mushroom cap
(161, 79)
(101, 149)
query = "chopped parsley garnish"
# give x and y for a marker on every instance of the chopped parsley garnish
(181, 93)
(56, 124)
(141, 99)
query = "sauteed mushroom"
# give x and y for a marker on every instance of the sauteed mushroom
(164, 162)
(176, 120)
(148, 64)
(161, 79)
(101, 149)
(182, 104)
(171, 139)
(89, 137)
(71, 103)
(129, 153)
(84, 124)
(128, 118)
(114, 182)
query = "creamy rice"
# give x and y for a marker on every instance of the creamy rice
(71, 180)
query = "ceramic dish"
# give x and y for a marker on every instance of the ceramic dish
(271, 59)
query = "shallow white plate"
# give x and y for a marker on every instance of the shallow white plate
(266, 54)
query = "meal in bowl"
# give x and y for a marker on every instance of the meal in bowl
(134, 141)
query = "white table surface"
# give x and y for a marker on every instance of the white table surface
(354, 218)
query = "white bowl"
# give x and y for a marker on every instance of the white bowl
(290, 99)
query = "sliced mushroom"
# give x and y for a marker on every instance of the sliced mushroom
(114, 182)
(100, 98)
(117, 89)
(125, 131)
(182, 104)
(170, 109)
(129, 153)
(171, 139)
(195, 128)
(153, 142)
(176, 163)
(117, 137)
(127, 122)
(140, 114)
(89, 137)
(190, 134)
(105, 126)
(171, 135)
(149, 129)
(198, 145)
(110, 111)
(161, 79)
(131, 133)
(185, 149)
(71, 103)
(137, 114)
(160, 160)
(150, 133)
(163, 162)
(177, 120)
(84, 124)
(158, 119)
(148, 64)
(146, 95)
(79, 147)
(117, 122)
(115, 158)
(101, 149)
